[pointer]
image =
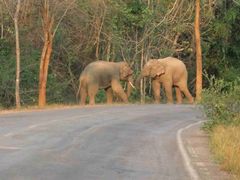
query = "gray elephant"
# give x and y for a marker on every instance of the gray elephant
(105, 75)
(171, 72)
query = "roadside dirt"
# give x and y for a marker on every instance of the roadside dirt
(196, 142)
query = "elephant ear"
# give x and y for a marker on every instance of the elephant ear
(147, 68)
(125, 71)
(157, 70)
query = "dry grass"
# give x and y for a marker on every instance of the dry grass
(56, 106)
(225, 144)
(36, 108)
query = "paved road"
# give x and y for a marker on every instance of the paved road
(102, 143)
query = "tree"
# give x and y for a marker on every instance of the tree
(47, 25)
(198, 51)
(18, 60)
(16, 17)
(49, 31)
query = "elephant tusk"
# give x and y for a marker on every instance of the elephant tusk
(132, 85)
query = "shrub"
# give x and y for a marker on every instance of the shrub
(221, 102)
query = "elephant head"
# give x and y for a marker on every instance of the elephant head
(126, 74)
(153, 68)
(125, 71)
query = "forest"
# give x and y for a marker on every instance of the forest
(54, 40)
(112, 30)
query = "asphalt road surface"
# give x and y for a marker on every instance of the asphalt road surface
(102, 143)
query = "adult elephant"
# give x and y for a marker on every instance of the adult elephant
(105, 75)
(170, 72)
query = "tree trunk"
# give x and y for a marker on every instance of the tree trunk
(198, 52)
(109, 41)
(44, 64)
(1, 10)
(49, 33)
(142, 85)
(16, 16)
(46, 53)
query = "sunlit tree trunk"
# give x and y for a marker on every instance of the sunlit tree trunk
(49, 33)
(46, 53)
(44, 64)
(198, 52)
(17, 89)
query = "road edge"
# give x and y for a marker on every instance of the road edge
(186, 158)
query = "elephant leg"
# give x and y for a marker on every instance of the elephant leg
(186, 92)
(188, 95)
(117, 88)
(109, 94)
(168, 90)
(92, 91)
(156, 86)
(83, 94)
(178, 95)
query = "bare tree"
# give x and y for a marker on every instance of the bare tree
(15, 18)
(49, 30)
(198, 52)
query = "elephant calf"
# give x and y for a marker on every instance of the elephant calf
(107, 76)
(170, 72)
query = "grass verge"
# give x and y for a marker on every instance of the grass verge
(225, 145)
(221, 103)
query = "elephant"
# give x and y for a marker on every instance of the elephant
(105, 75)
(171, 72)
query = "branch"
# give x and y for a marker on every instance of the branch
(17, 10)
(123, 55)
(64, 14)
(8, 9)
(236, 2)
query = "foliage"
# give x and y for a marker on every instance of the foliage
(222, 47)
(221, 103)
(101, 96)
(7, 74)
(5, 48)
(134, 14)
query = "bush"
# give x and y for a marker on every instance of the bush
(221, 102)
(101, 96)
